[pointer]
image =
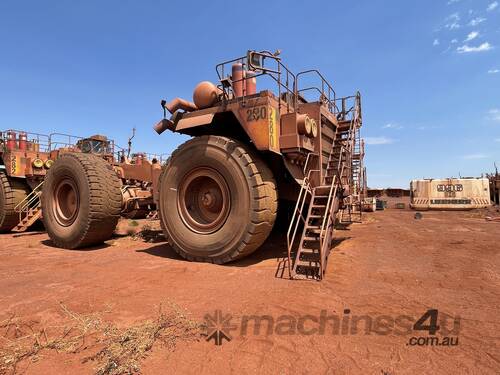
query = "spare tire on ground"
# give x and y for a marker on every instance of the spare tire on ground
(81, 200)
(218, 200)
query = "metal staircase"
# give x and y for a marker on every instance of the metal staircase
(325, 200)
(29, 209)
(339, 190)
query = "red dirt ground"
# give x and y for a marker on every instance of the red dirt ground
(390, 265)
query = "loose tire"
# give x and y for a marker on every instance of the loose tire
(218, 200)
(12, 192)
(81, 201)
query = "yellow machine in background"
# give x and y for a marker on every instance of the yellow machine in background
(450, 194)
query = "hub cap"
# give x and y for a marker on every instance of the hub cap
(203, 200)
(66, 202)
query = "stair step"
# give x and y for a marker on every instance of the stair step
(315, 230)
(322, 189)
(307, 259)
(311, 271)
(320, 196)
(315, 216)
(308, 238)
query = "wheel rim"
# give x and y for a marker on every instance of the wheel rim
(65, 202)
(204, 200)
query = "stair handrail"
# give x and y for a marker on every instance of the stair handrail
(335, 181)
(328, 220)
(26, 203)
(297, 213)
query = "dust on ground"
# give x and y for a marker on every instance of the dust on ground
(390, 267)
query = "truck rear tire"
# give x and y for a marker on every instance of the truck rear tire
(12, 192)
(218, 200)
(81, 200)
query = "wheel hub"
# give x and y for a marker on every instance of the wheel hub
(203, 200)
(66, 202)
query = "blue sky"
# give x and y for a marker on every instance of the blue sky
(429, 71)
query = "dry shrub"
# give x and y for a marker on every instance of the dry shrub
(120, 349)
(125, 348)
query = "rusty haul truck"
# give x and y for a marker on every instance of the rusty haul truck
(217, 196)
(293, 141)
(63, 178)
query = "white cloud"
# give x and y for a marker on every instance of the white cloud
(494, 114)
(390, 125)
(378, 140)
(474, 156)
(492, 6)
(436, 42)
(452, 21)
(467, 49)
(452, 1)
(472, 35)
(493, 71)
(476, 21)
(453, 41)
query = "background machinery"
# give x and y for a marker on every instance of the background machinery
(79, 178)
(465, 193)
(297, 142)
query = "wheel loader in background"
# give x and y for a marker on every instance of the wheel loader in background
(80, 185)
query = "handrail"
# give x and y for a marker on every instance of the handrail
(297, 213)
(355, 109)
(25, 204)
(42, 140)
(324, 85)
(275, 74)
(340, 167)
(330, 205)
(31, 202)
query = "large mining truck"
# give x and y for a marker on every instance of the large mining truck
(295, 141)
(79, 185)
(251, 150)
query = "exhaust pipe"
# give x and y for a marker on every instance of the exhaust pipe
(179, 103)
(165, 124)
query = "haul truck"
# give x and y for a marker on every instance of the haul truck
(79, 186)
(219, 192)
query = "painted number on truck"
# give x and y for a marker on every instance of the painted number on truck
(257, 113)
(273, 136)
(13, 165)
